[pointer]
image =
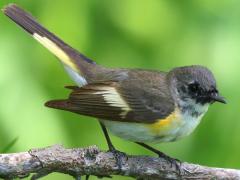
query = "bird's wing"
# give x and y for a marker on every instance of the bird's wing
(111, 101)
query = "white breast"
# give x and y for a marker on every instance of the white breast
(191, 121)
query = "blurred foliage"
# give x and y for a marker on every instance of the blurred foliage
(8, 147)
(153, 34)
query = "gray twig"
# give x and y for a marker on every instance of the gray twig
(92, 161)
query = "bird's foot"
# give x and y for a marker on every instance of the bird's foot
(172, 161)
(119, 156)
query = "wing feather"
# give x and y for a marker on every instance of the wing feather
(108, 101)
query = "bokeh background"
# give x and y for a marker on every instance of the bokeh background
(153, 34)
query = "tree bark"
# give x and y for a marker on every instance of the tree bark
(92, 161)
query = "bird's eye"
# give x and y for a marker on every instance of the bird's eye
(193, 87)
(214, 92)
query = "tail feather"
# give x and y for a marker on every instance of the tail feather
(69, 56)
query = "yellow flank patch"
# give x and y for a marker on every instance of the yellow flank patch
(52, 47)
(166, 124)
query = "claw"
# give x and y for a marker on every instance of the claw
(172, 161)
(119, 156)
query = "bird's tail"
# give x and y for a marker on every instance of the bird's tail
(72, 59)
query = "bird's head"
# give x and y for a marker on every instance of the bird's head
(194, 83)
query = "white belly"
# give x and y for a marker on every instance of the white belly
(129, 131)
(142, 133)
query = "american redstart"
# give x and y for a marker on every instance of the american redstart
(137, 105)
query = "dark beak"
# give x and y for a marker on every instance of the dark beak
(217, 98)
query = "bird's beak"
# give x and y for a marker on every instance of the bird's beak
(217, 98)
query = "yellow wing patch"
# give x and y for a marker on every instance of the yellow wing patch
(171, 121)
(52, 47)
(113, 98)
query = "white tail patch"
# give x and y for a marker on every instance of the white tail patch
(113, 98)
(52, 47)
(76, 77)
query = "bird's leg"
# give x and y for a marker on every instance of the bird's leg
(173, 161)
(159, 153)
(111, 148)
(117, 154)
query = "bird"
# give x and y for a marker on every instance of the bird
(138, 105)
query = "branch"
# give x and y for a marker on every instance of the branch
(92, 161)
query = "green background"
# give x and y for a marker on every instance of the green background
(150, 34)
